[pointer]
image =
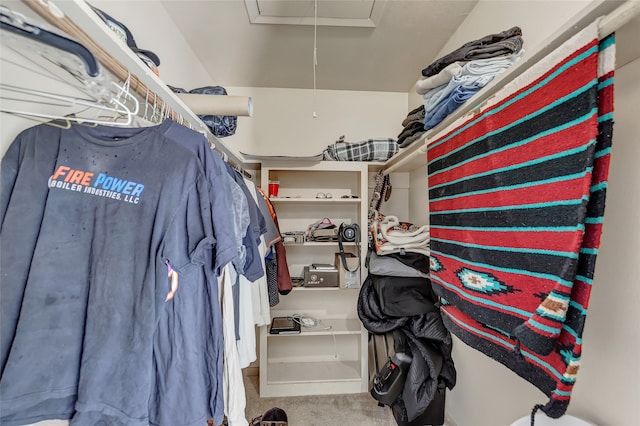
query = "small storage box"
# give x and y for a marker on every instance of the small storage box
(320, 277)
(295, 237)
(346, 278)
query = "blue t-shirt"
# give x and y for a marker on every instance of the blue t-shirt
(220, 195)
(89, 217)
(188, 344)
(253, 268)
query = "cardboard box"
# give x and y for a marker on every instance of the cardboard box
(320, 277)
(346, 278)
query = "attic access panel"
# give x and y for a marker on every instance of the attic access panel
(344, 13)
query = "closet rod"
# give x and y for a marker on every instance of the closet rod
(606, 25)
(618, 18)
(57, 17)
(217, 105)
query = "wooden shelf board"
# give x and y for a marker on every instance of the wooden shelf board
(315, 200)
(338, 327)
(318, 243)
(318, 372)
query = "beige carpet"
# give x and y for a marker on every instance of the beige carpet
(326, 410)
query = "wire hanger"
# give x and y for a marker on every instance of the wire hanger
(14, 22)
(60, 124)
(66, 61)
(119, 109)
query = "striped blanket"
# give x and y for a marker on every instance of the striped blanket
(516, 201)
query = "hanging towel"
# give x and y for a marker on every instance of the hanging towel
(516, 201)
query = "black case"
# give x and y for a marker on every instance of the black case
(432, 416)
(390, 369)
(379, 358)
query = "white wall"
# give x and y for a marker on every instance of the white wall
(283, 122)
(607, 389)
(399, 200)
(419, 199)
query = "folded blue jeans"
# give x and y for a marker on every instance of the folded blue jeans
(457, 97)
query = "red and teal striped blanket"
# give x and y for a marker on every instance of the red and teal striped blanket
(516, 202)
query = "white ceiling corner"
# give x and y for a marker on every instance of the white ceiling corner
(349, 13)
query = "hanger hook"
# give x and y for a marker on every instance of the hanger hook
(155, 109)
(163, 113)
(146, 104)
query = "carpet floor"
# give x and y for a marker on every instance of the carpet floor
(324, 410)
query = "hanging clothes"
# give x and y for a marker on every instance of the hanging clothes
(280, 278)
(188, 342)
(81, 290)
(261, 293)
(234, 395)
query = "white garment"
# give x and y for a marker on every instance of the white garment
(260, 288)
(260, 293)
(251, 303)
(235, 400)
(427, 83)
(246, 344)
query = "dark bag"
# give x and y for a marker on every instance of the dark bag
(403, 296)
(322, 231)
(272, 417)
(433, 415)
(220, 125)
(390, 369)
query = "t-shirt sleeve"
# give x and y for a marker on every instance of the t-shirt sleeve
(272, 235)
(224, 227)
(8, 174)
(190, 231)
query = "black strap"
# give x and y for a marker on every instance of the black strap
(533, 413)
(386, 345)
(340, 245)
(381, 192)
(375, 351)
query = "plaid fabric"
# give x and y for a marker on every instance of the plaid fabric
(516, 201)
(369, 150)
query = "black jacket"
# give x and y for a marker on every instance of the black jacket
(429, 340)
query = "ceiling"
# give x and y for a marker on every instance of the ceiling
(400, 38)
(361, 13)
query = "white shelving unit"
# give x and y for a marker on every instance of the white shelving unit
(330, 358)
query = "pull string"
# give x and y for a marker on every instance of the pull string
(315, 53)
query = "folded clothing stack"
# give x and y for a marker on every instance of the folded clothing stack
(442, 100)
(389, 235)
(380, 149)
(451, 80)
(413, 127)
